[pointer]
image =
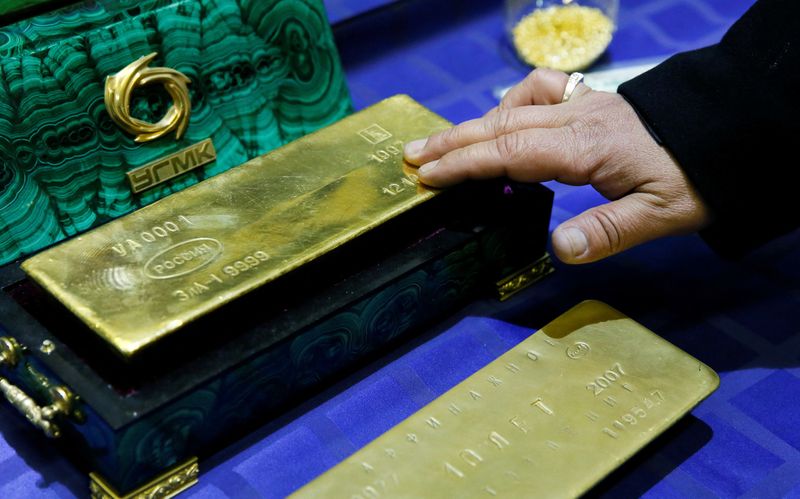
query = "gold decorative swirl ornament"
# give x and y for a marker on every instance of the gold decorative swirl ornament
(120, 86)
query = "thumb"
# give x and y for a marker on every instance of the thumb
(609, 229)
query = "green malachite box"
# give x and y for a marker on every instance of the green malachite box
(262, 73)
(12, 7)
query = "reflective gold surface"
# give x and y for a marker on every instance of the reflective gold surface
(549, 418)
(145, 275)
(120, 87)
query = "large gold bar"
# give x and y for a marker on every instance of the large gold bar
(549, 418)
(145, 275)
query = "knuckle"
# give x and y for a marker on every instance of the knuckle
(505, 102)
(584, 144)
(508, 147)
(574, 147)
(434, 142)
(445, 139)
(501, 123)
(537, 76)
(608, 228)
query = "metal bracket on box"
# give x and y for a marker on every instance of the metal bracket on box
(521, 279)
(62, 401)
(170, 484)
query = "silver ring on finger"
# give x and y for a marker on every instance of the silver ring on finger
(575, 79)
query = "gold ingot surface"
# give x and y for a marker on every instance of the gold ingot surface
(143, 276)
(549, 418)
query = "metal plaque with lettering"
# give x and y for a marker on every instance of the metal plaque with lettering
(143, 276)
(549, 418)
(161, 170)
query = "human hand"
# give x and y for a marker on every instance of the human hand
(594, 138)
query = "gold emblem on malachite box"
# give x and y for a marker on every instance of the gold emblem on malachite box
(120, 87)
(118, 91)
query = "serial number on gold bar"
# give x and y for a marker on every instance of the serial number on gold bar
(145, 275)
(550, 418)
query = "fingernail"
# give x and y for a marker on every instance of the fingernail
(414, 148)
(571, 241)
(428, 167)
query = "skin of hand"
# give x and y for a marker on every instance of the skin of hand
(594, 138)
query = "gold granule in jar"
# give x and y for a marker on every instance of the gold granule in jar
(567, 38)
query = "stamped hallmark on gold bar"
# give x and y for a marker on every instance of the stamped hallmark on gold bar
(142, 277)
(550, 418)
(164, 169)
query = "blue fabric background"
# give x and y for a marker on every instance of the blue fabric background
(739, 317)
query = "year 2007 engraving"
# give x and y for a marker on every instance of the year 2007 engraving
(606, 379)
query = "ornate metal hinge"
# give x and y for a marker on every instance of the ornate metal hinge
(165, 486)
(62, 401)
(516, 282)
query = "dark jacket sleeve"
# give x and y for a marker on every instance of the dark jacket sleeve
(729, 114)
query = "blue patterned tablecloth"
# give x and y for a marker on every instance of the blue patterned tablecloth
(342, 10)
(739, 317)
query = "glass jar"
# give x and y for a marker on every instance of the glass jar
(568, 35)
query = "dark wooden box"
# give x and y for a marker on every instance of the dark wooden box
(140, 424)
